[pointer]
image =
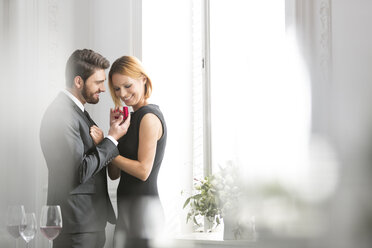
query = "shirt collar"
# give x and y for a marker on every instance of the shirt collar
(74, 99)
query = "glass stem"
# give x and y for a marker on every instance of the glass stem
(16, 242)
(50, 244)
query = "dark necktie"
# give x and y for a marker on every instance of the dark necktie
(89, 119)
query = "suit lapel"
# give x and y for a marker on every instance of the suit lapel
(82, 115)
(76, 109)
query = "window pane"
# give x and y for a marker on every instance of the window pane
(260, 101)
(260, 117)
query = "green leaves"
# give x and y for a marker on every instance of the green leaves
(215, 195)
(187, 202)
(195, 222)
(204, 202)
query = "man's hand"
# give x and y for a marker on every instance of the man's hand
(117, 128)
(97, 134)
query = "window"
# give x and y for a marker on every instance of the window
(233, 86)
(260, 114)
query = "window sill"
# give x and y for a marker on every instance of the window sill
(215, 240)
(201, 242)
(202, 236)
(212, 239)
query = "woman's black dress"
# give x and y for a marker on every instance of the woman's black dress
(140, 215)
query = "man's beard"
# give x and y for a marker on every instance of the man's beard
(88, 98)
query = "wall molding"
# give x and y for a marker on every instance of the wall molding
(325, 53)
(136, 28)
(313, 28)
(313, 22)
(53, 10)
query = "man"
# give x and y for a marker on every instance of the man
(77, 154)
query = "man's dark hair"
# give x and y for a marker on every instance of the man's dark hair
(83, 63)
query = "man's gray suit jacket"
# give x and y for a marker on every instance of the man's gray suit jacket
(77, 178)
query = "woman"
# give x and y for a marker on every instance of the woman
(141, 153)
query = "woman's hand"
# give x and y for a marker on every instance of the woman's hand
(114, 115)
(118, 127)
(97, 134)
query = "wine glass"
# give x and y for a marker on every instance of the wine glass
(14, 219)
(28, 227)
(51, 222)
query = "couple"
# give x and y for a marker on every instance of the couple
(77, 153)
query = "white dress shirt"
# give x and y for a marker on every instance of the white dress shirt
(81, 106)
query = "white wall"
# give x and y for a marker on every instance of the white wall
(337, 42)
(351, 120)
(37, 37)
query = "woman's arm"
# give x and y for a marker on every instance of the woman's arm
(149, 133)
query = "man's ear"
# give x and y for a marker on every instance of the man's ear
(78, 82)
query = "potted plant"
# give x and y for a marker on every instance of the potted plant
(216, 196)
(204, 203)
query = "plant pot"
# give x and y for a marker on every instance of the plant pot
(228, 229)
(208, 225)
